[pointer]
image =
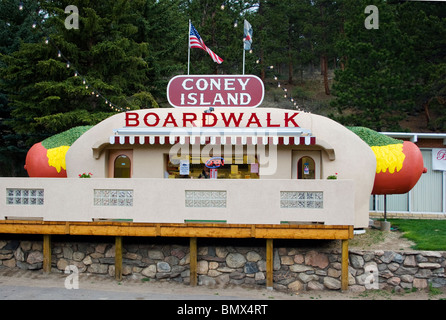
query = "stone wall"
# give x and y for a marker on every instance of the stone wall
(219, 264)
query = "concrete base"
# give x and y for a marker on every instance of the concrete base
(385, 226)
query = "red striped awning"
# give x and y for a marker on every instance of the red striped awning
(217, 140)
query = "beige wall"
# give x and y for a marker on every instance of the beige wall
(353, 159)
(163, 200)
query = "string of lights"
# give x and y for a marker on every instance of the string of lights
(286, 94)
(94, 91)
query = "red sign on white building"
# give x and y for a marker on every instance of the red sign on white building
(215, 91)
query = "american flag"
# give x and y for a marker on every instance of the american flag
(195, 41)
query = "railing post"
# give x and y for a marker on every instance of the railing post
(193, 261)
(118, 258)
(46, 253)
(344, 265)
(269, 264)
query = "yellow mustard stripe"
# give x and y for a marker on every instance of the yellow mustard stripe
(56, 157)
(389, 157)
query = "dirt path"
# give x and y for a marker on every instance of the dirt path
(30, 285)
(374, 239)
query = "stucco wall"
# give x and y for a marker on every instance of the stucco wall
(164, 200)
(351, 158)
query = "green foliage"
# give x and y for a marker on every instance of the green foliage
(14, 29)
(129, 49)
(391, 71)
(47, 97)
(66, 138)
(373, 138)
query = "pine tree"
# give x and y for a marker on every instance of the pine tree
(45, 93)
(14, 29)
(376, 84)
(425, 25)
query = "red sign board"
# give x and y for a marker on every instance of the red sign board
(215, 91)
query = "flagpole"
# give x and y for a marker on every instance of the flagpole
(188, 51)
(244, 52)
(244, 48)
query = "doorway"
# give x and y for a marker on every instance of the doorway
(120, 164)
(306, 165)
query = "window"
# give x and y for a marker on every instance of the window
(25, 197)
(301, 199)
(306, 168)
(109, 197)
(122, 167)
(205, 199)
(189, 167)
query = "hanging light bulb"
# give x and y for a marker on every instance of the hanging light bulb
(275, 77)
(278, 85)
(250, 51)
(21, 6)
(47, 40)
(222, 6)
(68, 64)
(75, 73)
(59, 54)
(235, 24)
(34, 24)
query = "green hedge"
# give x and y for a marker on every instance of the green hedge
(65, 138)
(373, 138)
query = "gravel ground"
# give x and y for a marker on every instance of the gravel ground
(36, 285)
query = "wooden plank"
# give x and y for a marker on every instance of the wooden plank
(111, 230)
(193, 254)
(328, 234)
(118, 258)
(205, 232)
(351, 232)
(344, 265)
(269, 263)
(32, 229)
(46, 253)
(201, 230)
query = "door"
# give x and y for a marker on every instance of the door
(120, 164)
(306, 165)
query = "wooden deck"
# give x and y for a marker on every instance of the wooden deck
(120, 229)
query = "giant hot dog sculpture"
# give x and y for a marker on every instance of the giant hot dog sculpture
(399, 164)
(46, 159)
